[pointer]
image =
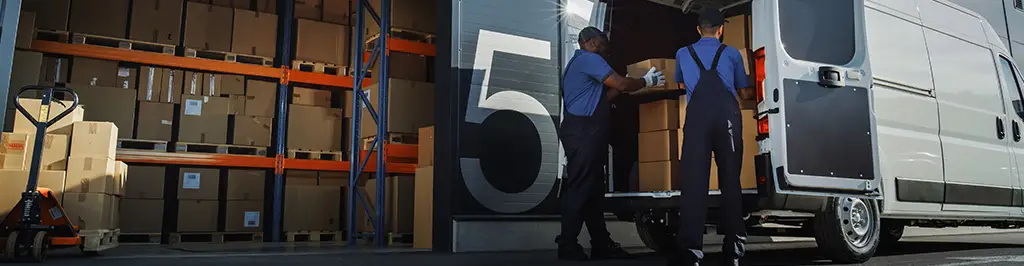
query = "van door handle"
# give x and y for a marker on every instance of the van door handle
(1016, 131)
(1000, 129)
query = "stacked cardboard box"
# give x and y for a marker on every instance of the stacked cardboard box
(423, 214)
(15, 160)
(204, 119)
(110, 104)
(198, 204)
(208, 27)
(100, 17)
(738, 34)
(659, 132)
(322, 42)
(94, 177)
(266, 6)
(254, 33)
(144, 199)
(244, 208)
(315, 128)
(398, 207)
(410, 107)
(49, 14)
(156, 21)
(409, 15)
(313, 203)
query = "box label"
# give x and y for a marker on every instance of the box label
(252, 219)
(190, 181)
(194, 107)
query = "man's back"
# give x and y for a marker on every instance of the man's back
(730, 65)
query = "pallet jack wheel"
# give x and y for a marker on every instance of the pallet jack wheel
(39, 247)
(11, 247)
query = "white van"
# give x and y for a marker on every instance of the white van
(872, 115)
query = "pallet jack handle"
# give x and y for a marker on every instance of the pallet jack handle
(41, 122)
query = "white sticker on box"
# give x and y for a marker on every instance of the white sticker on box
(190, 181)
(194, 107)
(252, 219)
(166, 122)
(122, 72)
(367, 93)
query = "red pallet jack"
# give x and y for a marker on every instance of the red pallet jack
(38, 223)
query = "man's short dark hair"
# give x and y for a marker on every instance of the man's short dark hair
(708, 28)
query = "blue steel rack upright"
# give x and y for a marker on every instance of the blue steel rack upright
(376, 148)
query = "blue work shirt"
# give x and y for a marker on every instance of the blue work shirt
(730, 65)
(583, 83)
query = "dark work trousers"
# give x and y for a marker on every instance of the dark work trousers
(712, 125)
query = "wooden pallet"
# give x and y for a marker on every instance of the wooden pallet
(152, 238)
(114, 42)
(52, 35)
(397, 238)
(316, 155)
(229, 57)
(404, 34)
(393, 138)
(99, 240)
(220, 148)
(215, 237)
(317, 67)
(141, 144)
(314, 236)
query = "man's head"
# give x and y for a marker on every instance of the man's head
(593, 40)
(710, 24)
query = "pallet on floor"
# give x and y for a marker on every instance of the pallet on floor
(229, 57)
(405, 34)
(399, 238)
(316, 155)
(140, 238)
(318, 67)
(114, 42)
(220, 148)
(215, 237)
(141, 144)
(52, 35)
(314, 236)
(393, 138)
(99, 240)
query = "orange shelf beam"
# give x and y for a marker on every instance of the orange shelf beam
(405, 46)
(224, 160)
(323, 79)
(117, 54)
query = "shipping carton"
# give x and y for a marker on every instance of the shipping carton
(658, 176)
(660, 115)
(410, 15)
(204, 119)
(243, 216)
(120, 176)
(156, 21)
(208, 27)
(312, 208)
(425, 155)
(301, 177)
(308, 9)
(12, 184)
(404, 66)
(100, 17)
(49, 14)
(423, 209)
(662, 145)
(62, 126)
(347, 102)
(26, 30)
(14, 150)
(337, 11)
(145, 182)
(213, 84)
(193, 83)
(25, 71)
(254, 33)
(55, 70)
(55, 152)
(172, 82)
(91, 175)
(90, 211)
(266, 6)
(311, 97)
(155, 121)
(94, 72)
(748, 175)
(251, 130)
(232, 84)
(94, 139)
(666, 66)
(246, 184)
(142, 216)
(400, 197)
(736, 32)
(314, 128)
(260, 96)
(411, 106)
(198, 183)
(197, 215)
(322, 42)
(151, 80)
(109, 104)
(127, 78)
(237, 104)
(336, 179)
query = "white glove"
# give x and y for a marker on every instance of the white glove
(654, 78)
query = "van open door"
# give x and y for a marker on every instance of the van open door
(816, 116)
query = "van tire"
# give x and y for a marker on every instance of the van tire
(655, 233)
(847, 230)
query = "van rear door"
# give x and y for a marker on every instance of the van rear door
(817, 97)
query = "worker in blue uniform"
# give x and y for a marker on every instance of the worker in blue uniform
(710, 72)
(584, 134)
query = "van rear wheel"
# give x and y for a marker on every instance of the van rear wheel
(655, 232)
(847, 230)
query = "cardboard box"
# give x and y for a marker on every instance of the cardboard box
(735, 32)
(260, 96)
(254, 33)
(193, 83)
(100, 17)
(658, 176)
(312, 208)
(89, 211)
(204, 119)
(414, 15)
(232, 84)
(411, 107)
(25, 71)
(54, 69)
(155, 121)
(243, 216)
(425, 155)
(91, 175)
(197, 215)
(748, 175)
(94, 139)
(156, 21)
(127, 78)
(142, 216)
(26, 30)
(347, 103)
(314, 128)
(322, 42)
(49, 14)
(94, 72)
(208, 27)
(115, 212)
(12, 184)
(423, 209)
(308, 9)
(246, 184)
(109, 104)
(55, 152)
(237, 104)
(662, 145)
(266, 6)
(311, 97)
(660, 115)
(336, 179)
(301, 177)
(14, 150)
(337, 11)
(145, 182)
(404, 66)
(666, 66)
(62, 126)
(120, 176)
(400, 197)
(172, 82)
(213, 84)
(151, 80)
(251, 130)
(198, 183)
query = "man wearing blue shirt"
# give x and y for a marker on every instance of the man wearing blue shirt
(712, 125)
(584, 134)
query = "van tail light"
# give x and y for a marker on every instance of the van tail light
(762, 126)
(759, 75)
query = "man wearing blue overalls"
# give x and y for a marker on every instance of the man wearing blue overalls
(584, 134)
(712, 125)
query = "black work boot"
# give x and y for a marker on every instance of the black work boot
(571, 252)
(608, 250)
(730, 262)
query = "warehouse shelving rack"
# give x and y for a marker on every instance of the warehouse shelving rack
(366, 160)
